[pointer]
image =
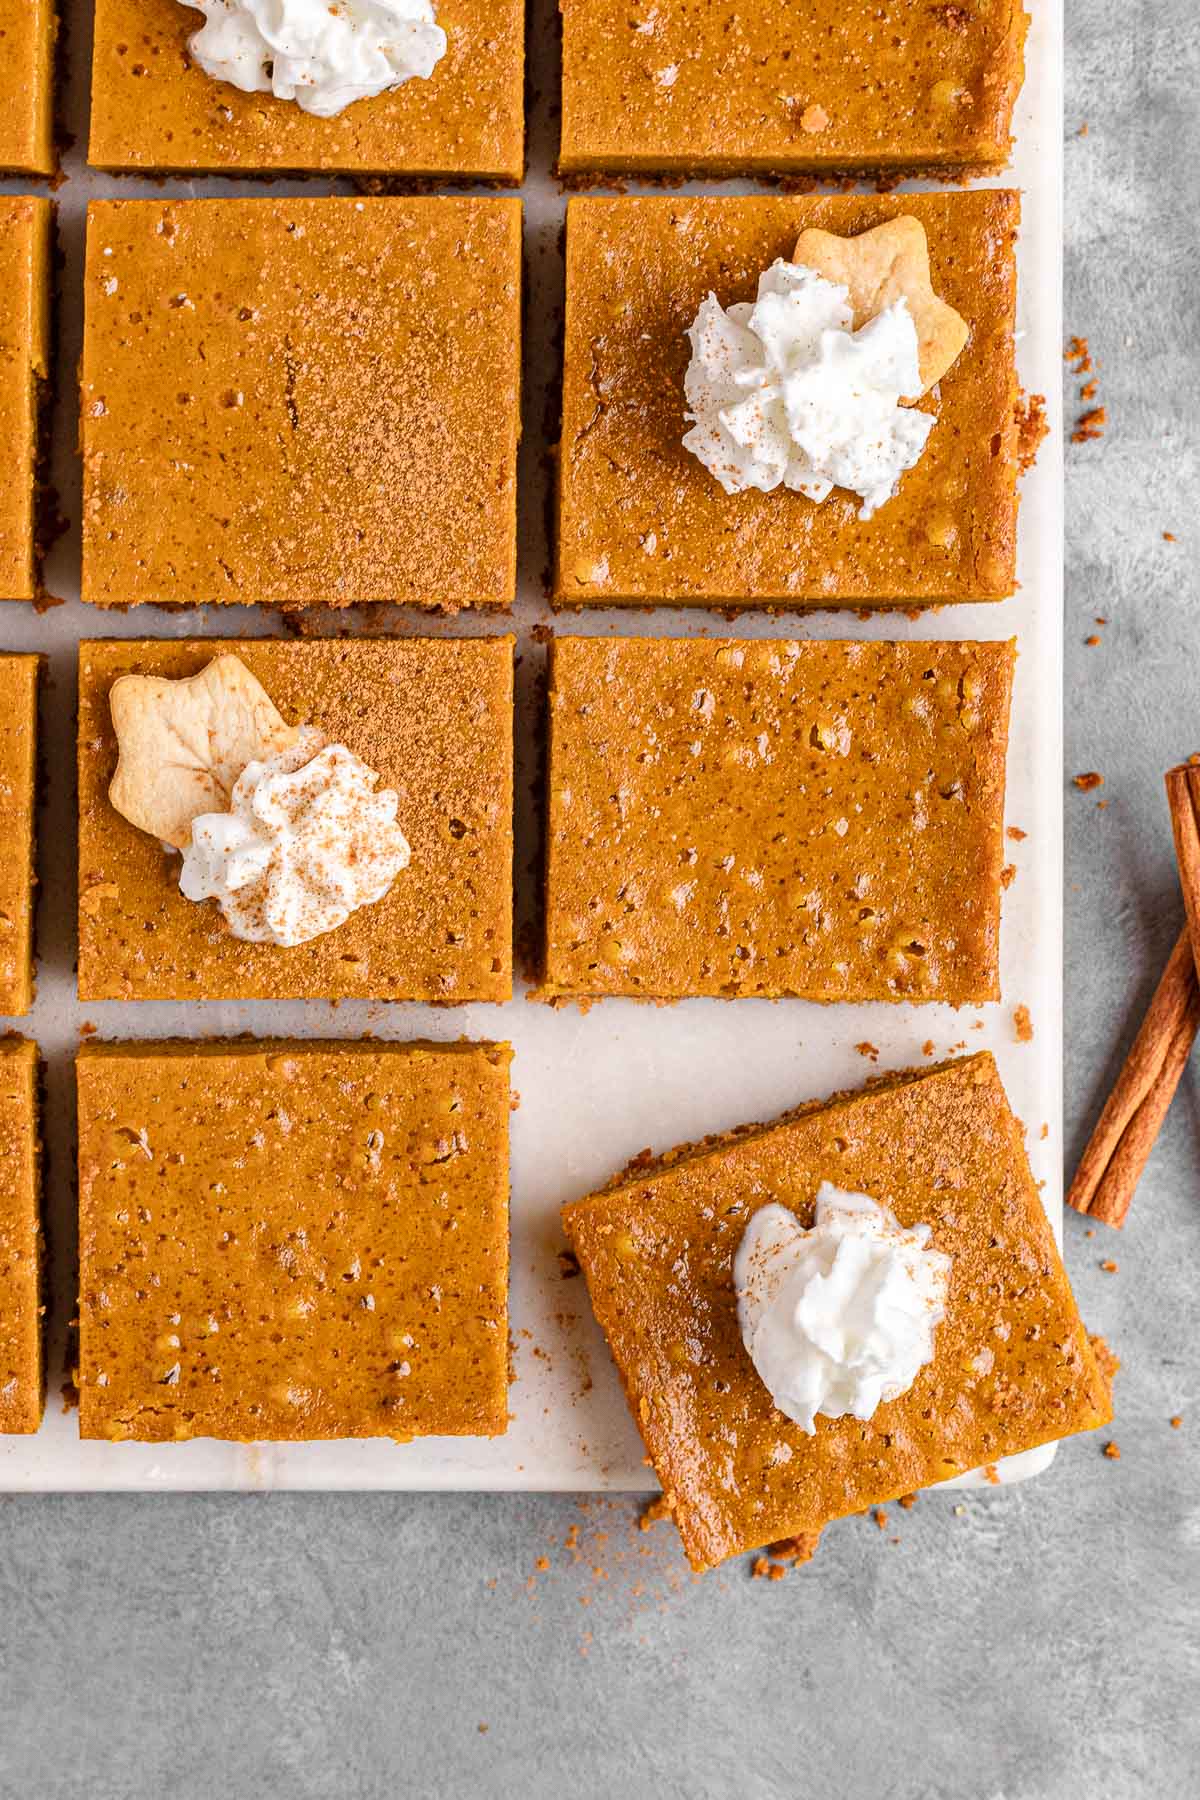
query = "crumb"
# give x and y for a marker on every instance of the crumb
(1169, 537)
(798, 1549)
(908, 1501)
(654, 1510)
(1086, 783)
(1106, 1357)
(1024, 1024)
(1089, 390)
(1102, 806)
(868, 1050)
(1016, 834)
(1008, 875)
(880, 1517)
(1176, 1421)
(760, 1568)
(1100, 621)
(1044, 1133)
(543, 1563)
(1032, 429)
(1109, 1266)
(1090, 425)
(568, 1265)
(927, 1047)
(481, 1729)
(991, 1474)
(1083, 130)
(1090, 1232)
(1112, 1451)
(1092, 641)
(1078, 354)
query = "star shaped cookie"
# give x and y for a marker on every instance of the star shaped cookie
(184, 743)
(878, 268)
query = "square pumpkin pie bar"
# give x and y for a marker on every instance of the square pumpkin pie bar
(301, 402)
(27, 33)
(24, 371)
(21, 1371)
(251, 725)
(155, 107)
(18, 782)
(882, 363)
(914, 1190)
(775, 817)
(293, 1240)
(798, 86)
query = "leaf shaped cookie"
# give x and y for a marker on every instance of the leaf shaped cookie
(183, 744)
(880, 266)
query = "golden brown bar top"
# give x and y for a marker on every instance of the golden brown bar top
(1012, 1366)
(795, 86)
(293, 1240)
(641, 521)
(432, 717)
(21, 1371)
(770, 817)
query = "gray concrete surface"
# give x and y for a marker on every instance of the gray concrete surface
(1039, 1644)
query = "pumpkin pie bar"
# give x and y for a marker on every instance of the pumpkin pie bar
(775, 817)
(642, 521)
(18, 778)
(297, 403)
(27, 34)
(802, 87)
(24, 371)
(1012, 1367)
(431, 717)
(155, 108)
(293, 1240)
(21, 1373)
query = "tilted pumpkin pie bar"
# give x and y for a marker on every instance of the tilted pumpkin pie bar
(27, 34)
(306, 402)
(775, 817)
(900, 1223)
(21, 1376)
(25, 236)
(155, 107)
(772, 400)
(18, 780)
(271, 777)
(293, 1240)
(798, 86)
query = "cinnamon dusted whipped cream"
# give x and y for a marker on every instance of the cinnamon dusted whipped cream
(842, 1316)
(323, 54)
(785, 390)
(307, 840)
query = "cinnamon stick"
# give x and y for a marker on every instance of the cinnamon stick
(1183, 797)
(1111, 1166)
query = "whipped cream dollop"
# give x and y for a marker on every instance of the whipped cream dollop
(306, 842)
(842, 1316)
(785, 390)
(323, 54)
